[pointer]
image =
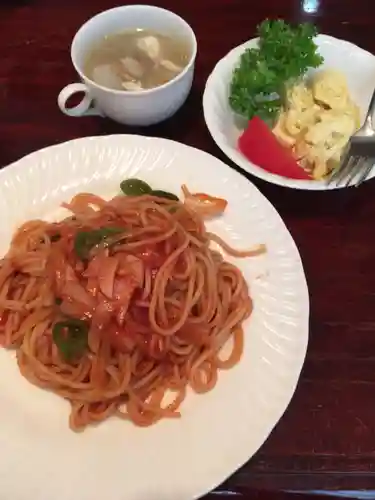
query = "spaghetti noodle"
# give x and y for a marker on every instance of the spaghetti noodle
(123, 304)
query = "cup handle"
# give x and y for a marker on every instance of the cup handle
(84, 108)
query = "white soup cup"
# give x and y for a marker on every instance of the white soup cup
(144, 107)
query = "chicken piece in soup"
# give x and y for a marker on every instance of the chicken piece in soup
(137, 60)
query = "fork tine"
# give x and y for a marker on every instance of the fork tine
(349, 167)
(355, 170)
(337, 172)
(370, 164)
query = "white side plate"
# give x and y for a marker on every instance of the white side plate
(357, 64)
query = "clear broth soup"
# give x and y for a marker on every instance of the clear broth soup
(137, 60)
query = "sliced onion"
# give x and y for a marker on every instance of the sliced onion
(106, 275)
(204, 204)
(75, 292)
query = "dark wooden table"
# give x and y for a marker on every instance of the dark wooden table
(326, 440)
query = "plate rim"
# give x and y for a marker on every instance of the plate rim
(14, 166)
(235, 156)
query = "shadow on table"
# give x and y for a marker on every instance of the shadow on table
(184, 122)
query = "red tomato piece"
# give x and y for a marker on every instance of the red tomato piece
(261, 147)
(152, 256)
(140, 315)
(119, 338)
(4, 318)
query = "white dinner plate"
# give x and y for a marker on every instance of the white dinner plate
(357, 64)
(176, 459)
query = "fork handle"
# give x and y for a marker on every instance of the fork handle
(370, 112)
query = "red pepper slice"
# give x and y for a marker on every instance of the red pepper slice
(261, 147)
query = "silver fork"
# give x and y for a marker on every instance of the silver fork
(359, 155)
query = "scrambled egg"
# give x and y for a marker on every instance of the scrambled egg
(317, 122)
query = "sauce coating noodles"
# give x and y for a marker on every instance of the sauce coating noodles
(115, 322)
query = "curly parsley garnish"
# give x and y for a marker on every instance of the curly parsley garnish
(283, 55)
